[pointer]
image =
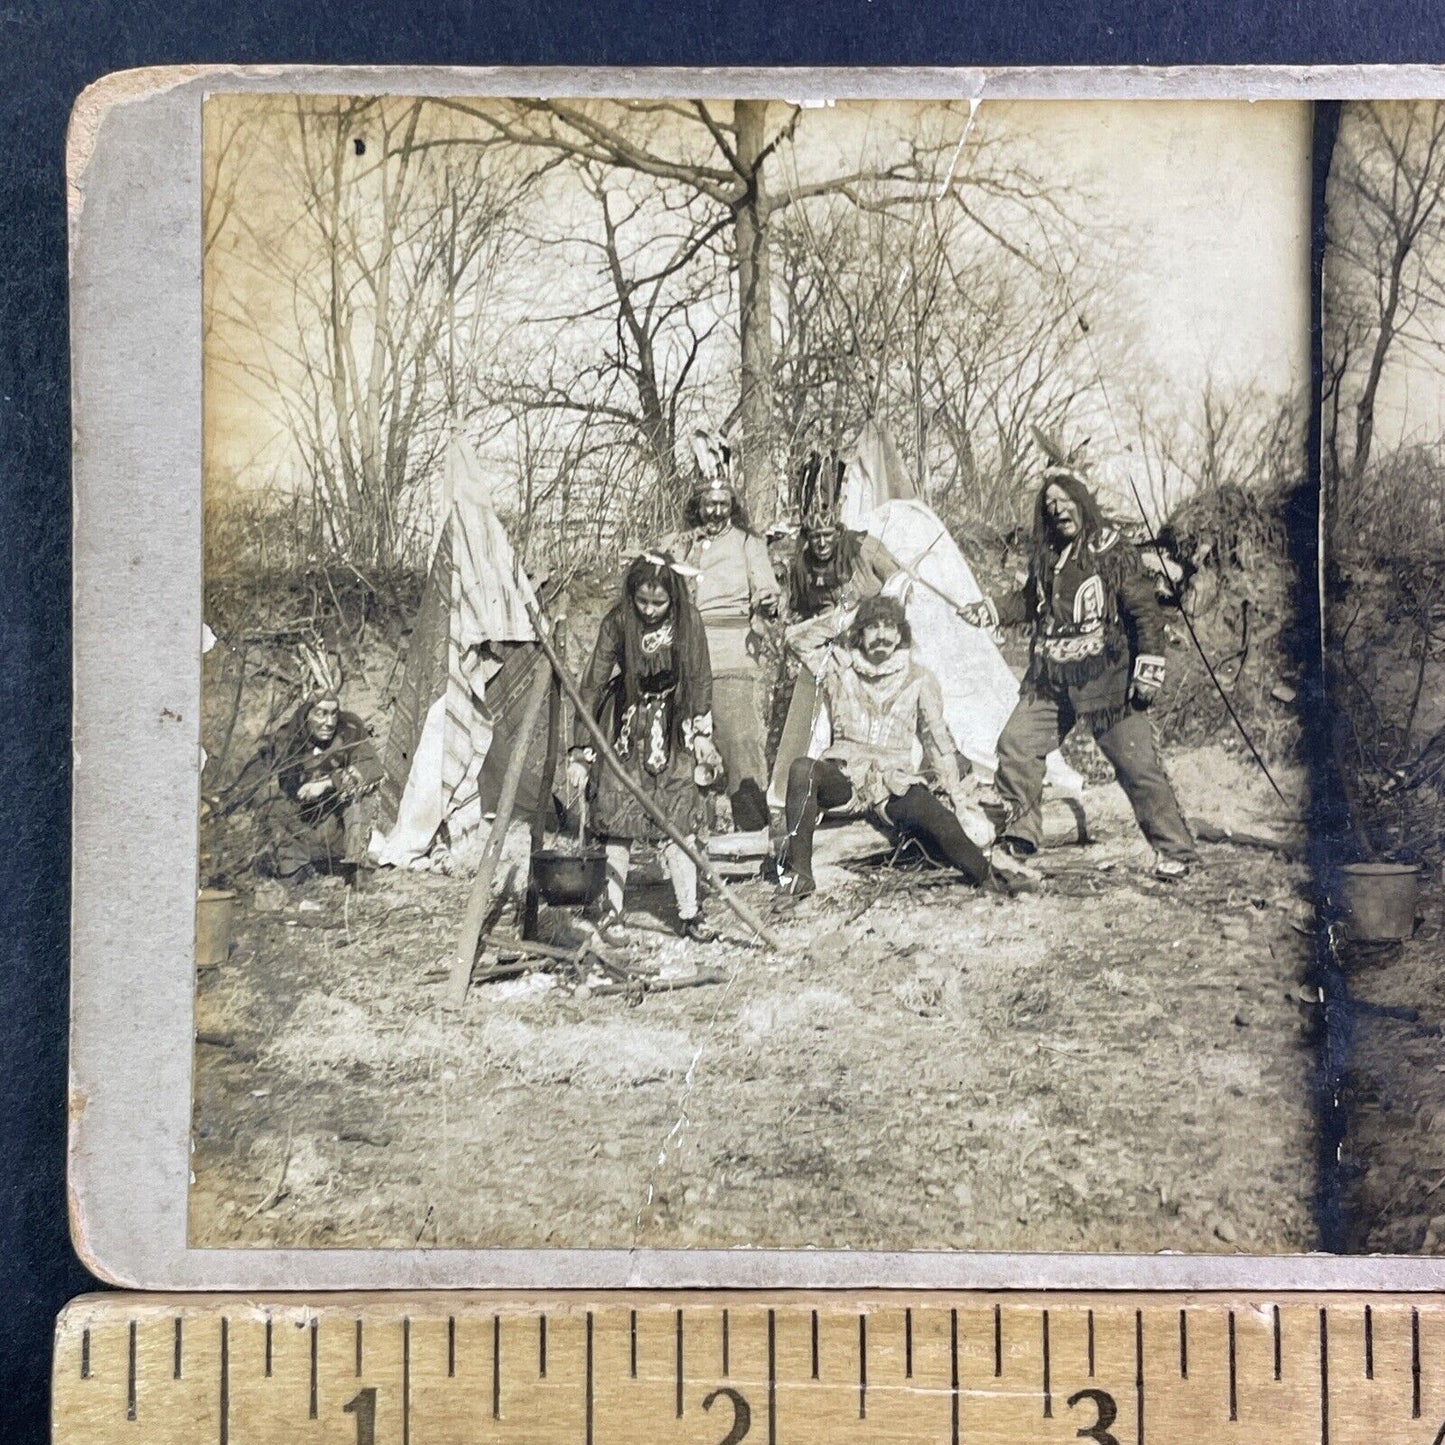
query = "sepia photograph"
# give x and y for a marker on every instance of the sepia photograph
(752, 670)
(1383, 497)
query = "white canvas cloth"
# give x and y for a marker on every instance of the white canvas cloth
(485, 587)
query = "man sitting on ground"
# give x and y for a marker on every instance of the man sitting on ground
(879, 702)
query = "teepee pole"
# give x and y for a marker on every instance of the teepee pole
(480, 898)
(614, 766)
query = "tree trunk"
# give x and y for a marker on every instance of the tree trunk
(755, 316)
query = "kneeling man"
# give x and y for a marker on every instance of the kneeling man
(879, 701)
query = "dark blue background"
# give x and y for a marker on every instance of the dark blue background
(47, 55)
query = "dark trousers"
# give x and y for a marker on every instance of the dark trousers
(818, 783)
(1039, 725)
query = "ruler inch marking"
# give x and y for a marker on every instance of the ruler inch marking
(815, 1344)
(268, 1347)
(496, 1367)
(225, 1381)
(1369, 1343)
(677, 1358)
(451, 1347)
(542, 1347)
(1414, 1364)
(954, 1392)
(176, 1352)
(1183, 1344)
(1233, 1372)
(908, 1344)
(997, 1341)
(1091, 1343)
(1139, 1375)
(130, 1373)
(862, 1366)
(632, 1349)
(1324, 1377)
(358, 1348)
(773, 1377)
(1278, 1346)
(1048, 1373)
(406, 1380)
(85, 1353)
(589, 1378)
(315, 1382)
(725, 1360)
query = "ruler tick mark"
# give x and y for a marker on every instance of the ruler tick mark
(589, 1377)
(677, 1354)
(1369, 1343)
(358, 1349)
(815, 1344)
(1324, 1378)
(1233, 1373)
(542, 1347)
(773, 1376)
(862, 1367)
(451, 1347)
(1278, 1346)
(908, 1344)
(1139, 1375)
(315, 1326)
(85, 1353)
(176, 1352)
(1183, 1345)
(632, 1342)
(1091, 1344)
(997, 1341)
(496, 1367)
(130, 1375)
(405, 1380)
(225, 1381)
(268, 1347)
(1414, 1364)
(953, 1349)
(725, 1344)
(1048, 1377)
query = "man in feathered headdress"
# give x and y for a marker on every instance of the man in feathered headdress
(832, 566)
(313, 779)
(736, 592)
(1096, 658)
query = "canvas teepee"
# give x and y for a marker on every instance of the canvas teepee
(464, 648)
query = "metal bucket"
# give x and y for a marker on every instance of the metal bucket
(215, 908)
(568, 878)
(1378, 900)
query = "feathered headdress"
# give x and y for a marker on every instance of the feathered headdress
(320, 673)
(820, 490)
(1060, 461)
(714, 463)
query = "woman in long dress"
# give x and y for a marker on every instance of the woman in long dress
(651, 662)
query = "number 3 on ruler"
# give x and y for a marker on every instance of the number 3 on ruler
(1106, 1413)
(742, 1414)
(363, 1406)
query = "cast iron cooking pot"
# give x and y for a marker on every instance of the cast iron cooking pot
(570, 877)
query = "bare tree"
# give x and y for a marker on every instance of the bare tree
(1385, 268)
(386, 270)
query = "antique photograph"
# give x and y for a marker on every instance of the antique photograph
(1383, 496)
(752, 669)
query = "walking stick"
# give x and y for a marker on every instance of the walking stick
(478, 902)
(614, 766)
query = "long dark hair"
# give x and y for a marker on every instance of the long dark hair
(879, 608)
(1091, 519)
(804, 596)
(689, 643)
(692, 517)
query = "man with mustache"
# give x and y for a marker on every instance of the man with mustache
(1096, 659)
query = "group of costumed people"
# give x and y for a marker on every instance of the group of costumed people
(680, 666)
(676, 670)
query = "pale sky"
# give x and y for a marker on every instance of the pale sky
(1204, 207)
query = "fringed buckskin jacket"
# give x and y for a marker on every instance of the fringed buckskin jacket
(1096, 626)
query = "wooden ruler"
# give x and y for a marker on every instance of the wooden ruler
(768, 1369)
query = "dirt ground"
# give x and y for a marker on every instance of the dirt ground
(1394, 1158)
(1112, 1064)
